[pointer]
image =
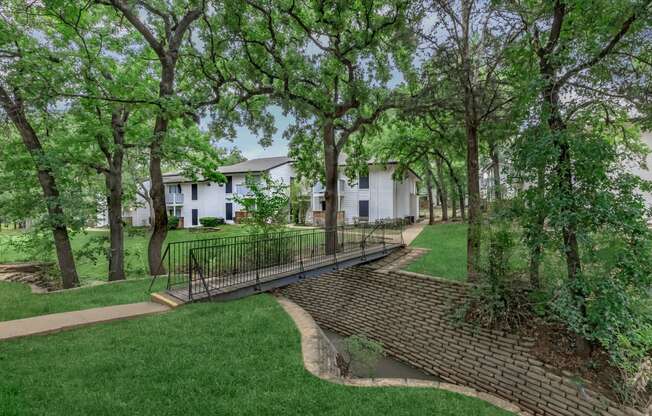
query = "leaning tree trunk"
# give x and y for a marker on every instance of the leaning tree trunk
(331, 195)
(16, 113)
(157, 189)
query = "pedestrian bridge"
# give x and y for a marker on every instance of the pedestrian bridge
(233, 267)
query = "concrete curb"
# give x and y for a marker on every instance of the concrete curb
(314, 363)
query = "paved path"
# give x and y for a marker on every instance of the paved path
(412, 231)
(55, 322)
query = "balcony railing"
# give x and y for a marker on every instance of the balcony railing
(174, 199)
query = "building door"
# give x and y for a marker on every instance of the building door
(363, 209)
(229, 211)
(195, 217)
(323, 205)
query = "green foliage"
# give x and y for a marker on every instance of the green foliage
(299, 202)
(267, 204)
(173, 222)
(501, 299)
(364, 354)
(211, 221)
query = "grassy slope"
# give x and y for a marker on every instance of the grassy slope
(135, 249)
(234, 358)
(447, 256)
(17, 301)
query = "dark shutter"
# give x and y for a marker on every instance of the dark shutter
(193, 191)
(364, 182)
(363, 209)
(195, 217)
(229, 211)
(229, 184)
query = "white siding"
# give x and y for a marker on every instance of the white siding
(381, 193)
(211, 198)
(387, 198)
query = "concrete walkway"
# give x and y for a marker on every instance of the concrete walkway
(412, 231)
(55, 322)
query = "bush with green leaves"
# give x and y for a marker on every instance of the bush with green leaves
(211, 221)
(267, 204)
(501, 299)
(173, 222)
(363, 354)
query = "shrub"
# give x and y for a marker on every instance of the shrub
(211, 221)
(364, 354)
(266, 204)
(502, 299)
(173, 222)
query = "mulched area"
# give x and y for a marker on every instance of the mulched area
(556, 346)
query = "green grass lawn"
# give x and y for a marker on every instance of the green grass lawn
(234, 358)
(17, 301)
(447, 256)
(135, 249)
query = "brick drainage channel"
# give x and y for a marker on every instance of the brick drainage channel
(386, 367)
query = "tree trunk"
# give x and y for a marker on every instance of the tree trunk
(157, 189)
(472, 163)
(537, 233)
(56, 218)
(454, 203)
(444, 191)
(331, 195)
(113, 179)
(495, 164)
(563, 171)
(474, 232)
(458, 185)
(116, 232)
(431, 202)
(460, 194)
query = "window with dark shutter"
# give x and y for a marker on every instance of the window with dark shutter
(229, 184)
(193, 191)
(364, 182)
(363, 209)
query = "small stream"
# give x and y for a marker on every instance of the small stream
(387, 367)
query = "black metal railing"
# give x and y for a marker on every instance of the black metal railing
(268, 257)
(175, 263)
(217, 263)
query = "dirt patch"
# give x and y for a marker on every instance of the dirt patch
(556, 346)
(38, 275)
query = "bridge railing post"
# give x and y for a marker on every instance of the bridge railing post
(257, 255)
(190, 277)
